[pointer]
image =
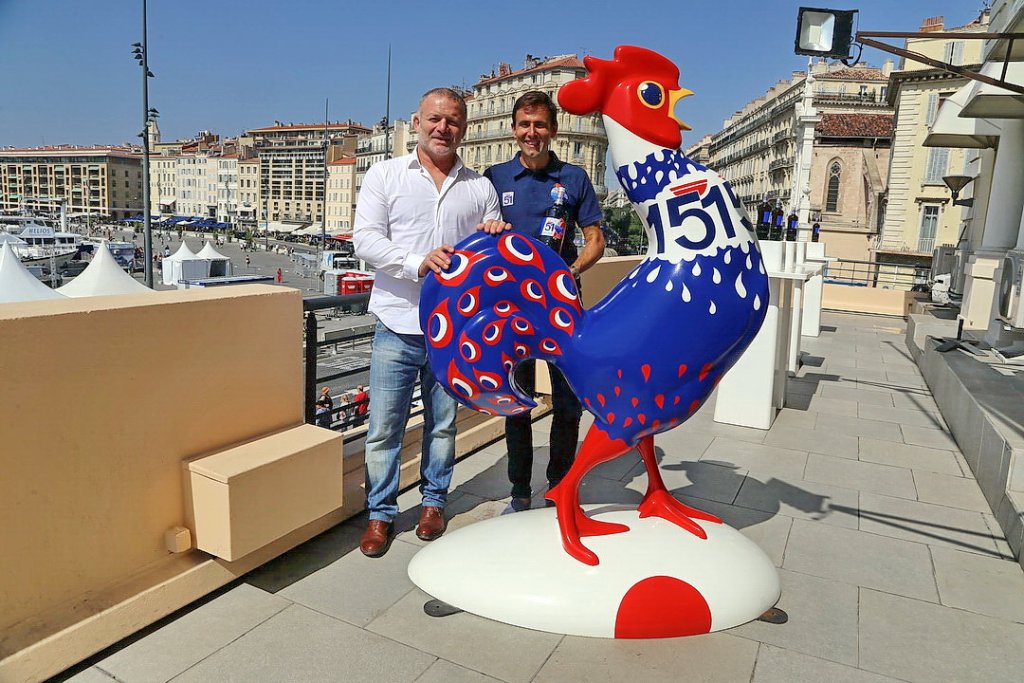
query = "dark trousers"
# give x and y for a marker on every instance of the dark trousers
(565, 430)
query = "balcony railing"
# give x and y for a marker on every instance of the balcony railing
(875, 274)
(866, 98)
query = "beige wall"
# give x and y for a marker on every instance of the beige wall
(116, 398)
(910, 191)
(865, 299)
(110, 395)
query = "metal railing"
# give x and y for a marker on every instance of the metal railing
(344, 416)
(875, 274)
(348, 303)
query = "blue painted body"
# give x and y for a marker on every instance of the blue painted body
(650, 352)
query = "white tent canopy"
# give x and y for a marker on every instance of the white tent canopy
(209, 252)
(17, 283)
(220, 265)
(184, 265)
(103, 276)
(182, 254)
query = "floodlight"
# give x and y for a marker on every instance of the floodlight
(824, 32)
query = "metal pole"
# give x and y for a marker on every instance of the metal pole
(322, 247)
(147, 227)
(387, 112)
(311, 352)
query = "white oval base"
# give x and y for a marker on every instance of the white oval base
(513, 569)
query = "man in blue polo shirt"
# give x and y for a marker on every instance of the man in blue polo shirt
(524, 186)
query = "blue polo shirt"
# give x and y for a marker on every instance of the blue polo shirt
(526, 194)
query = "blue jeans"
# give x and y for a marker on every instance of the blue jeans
(395, 362)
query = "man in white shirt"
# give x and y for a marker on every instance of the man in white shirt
(411, 210)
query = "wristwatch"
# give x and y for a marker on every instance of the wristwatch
(575, 271)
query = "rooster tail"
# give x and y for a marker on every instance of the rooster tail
(504, 299)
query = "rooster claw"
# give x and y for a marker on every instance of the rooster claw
(577, 550)
(660, 503)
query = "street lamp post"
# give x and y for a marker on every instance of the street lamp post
(141, 55)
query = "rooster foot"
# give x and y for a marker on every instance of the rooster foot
(662, 504)
(591, 527)
(574, 524)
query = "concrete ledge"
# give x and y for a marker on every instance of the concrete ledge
(985, 413)
(920, 326)
(245, 497)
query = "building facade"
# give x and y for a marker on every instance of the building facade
(919, 215)
(249, 207)
(380, 144)
(581, 140)
(293, 161)
(847, 188)
(341, 195)
(98, 181)
(757, 151)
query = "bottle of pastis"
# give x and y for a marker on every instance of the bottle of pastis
(552, 231)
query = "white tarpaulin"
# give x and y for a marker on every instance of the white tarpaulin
(17, 283)
(102, 277)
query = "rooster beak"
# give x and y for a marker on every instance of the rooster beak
(673, 99)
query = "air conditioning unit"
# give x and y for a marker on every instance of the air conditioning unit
(1011, 304)
(943, 260)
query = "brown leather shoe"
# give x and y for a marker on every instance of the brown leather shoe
(431, 524)
(376, 539)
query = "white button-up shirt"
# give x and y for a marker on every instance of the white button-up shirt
(401, 217)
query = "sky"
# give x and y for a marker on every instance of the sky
(231, 65)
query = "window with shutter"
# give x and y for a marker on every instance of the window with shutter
(954, 52)
(932, 108)
(938, 162)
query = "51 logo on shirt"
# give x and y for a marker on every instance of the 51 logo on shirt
(507, 198)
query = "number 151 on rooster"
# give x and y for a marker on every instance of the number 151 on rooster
(692, 200)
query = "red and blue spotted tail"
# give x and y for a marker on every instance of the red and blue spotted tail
(504, 299)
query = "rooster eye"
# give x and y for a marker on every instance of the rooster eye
(651, 94)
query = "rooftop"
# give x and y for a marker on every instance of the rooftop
(892, 563)
(504, 72)
(845, 125)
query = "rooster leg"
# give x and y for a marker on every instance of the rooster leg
(572, 523)
(658, 502)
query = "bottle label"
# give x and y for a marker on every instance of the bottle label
(553, 227)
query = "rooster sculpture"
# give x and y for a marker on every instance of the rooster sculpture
(649, 354)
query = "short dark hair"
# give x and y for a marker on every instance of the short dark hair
(536, 98)
(447, 93)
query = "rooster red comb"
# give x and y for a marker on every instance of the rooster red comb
(638, 88)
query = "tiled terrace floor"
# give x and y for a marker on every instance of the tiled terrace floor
(893, 567)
